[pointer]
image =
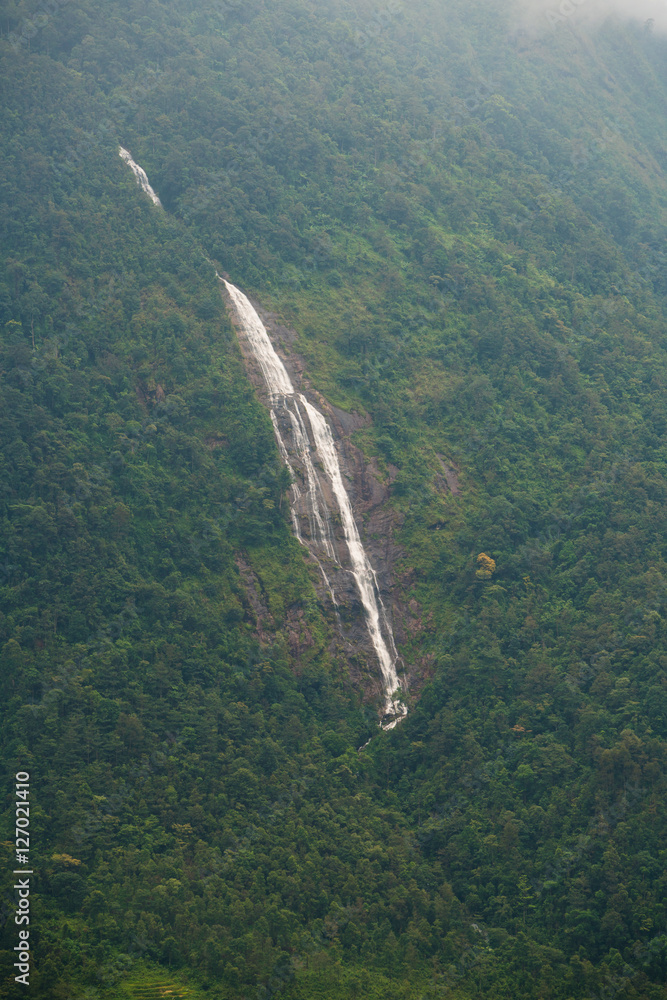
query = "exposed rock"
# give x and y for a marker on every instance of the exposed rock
(255, 603)
(295, 628)
(451, 475)
(369, 492)
(214, 441)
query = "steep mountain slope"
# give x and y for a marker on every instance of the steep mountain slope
(463, 223)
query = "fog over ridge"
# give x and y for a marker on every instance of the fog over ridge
(545, 15)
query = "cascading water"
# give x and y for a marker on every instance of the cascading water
(293, 416)
(140, 175)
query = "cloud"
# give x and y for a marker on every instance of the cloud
(545, 15)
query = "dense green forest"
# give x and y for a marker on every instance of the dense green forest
(463, 216)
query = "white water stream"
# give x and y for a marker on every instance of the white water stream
(306, 434)
(298, 416)
(140, 175)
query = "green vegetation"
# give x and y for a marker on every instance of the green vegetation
(465, 226)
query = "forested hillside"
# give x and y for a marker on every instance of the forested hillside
(461, 215)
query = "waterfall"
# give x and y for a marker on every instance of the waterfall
(140, 175)
(296, 423)
(305, 440)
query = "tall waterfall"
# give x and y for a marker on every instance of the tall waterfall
(303, 435)
(305, 439)
(140, 175)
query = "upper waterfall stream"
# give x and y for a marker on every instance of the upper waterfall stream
(140, 176)
(303, 433)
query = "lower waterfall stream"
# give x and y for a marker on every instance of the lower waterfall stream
(304, 438)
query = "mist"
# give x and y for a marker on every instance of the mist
(546, 15)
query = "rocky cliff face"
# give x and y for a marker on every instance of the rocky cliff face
(378, 522)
